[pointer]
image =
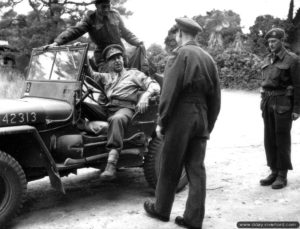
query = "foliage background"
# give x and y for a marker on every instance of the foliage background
(237, 55)
(11, 83)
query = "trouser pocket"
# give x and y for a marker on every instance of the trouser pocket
(283, 104)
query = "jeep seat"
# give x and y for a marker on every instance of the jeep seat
(96, 127)
(97, 120)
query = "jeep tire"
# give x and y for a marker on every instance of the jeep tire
(151, 165)
(13, 187)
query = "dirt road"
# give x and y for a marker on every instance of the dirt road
(235, 162)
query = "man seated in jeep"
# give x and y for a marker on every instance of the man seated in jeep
(122, 89)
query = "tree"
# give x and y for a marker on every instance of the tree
(157, 56)
(47, 19)
(215, 23)
(291, 11)
(219, 28)
(293, 34)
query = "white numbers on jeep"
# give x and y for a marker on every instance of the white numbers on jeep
(19, 118)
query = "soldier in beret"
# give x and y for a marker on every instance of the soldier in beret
(121, 87)
(280, 105)
(104, 25)
(189, 107)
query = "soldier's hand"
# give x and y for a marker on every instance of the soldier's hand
(158, 132)
(295, 116)
(50, 45)
(53, 44)
(77, 43)
(143, 103)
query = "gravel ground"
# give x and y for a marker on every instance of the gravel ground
(235, 162)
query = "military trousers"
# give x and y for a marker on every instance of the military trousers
(277, 117)
(184, 147)
(118, 122)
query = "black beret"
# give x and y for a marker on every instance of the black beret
(275, 33)
(188, 25)
(101, 1)
(112, 50)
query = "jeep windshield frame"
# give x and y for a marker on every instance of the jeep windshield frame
(61, 63)
(56, 73)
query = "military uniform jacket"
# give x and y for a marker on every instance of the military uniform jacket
(190, 74)
(103, 31)
(281, 71)
(127, 85)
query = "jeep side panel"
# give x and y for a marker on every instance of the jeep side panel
(29, 142)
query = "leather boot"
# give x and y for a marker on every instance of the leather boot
(269, 179)
(110, 169)
(281, 180)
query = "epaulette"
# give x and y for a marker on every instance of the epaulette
(135, 71)
(114, 11)
(292, 54)
(132, 70)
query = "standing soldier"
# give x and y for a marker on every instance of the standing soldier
(280, 106)
(189, 106)
(105, 27)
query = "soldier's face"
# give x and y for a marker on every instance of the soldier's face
(103, 8)
(178, 37)
(116, 63)
(274, 44)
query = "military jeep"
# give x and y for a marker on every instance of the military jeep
(47, 132)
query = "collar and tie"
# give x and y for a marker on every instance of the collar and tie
(273, 58)
(279, 55)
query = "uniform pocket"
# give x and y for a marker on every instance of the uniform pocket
(283, 104)
(282, 71)
(98, 26)
(115, 23)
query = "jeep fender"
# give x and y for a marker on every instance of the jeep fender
(46, 157)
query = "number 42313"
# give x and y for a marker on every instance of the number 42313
(18, 118)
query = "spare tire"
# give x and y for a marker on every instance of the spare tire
(13, 187)
(151, 165)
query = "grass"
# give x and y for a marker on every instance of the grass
(11, 83)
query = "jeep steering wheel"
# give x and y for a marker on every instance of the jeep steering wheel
(88, 91)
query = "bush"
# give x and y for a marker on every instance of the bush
(238, 70)
(11, 83)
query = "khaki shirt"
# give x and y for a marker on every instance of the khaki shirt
(127, 85)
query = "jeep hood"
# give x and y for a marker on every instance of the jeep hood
(33, 111)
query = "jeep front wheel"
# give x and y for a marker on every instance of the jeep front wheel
(151, 165)
(13, 187)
